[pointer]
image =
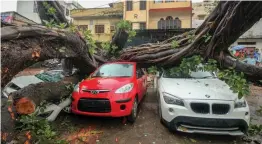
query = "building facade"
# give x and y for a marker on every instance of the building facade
(158, 14)
(29, 9)
(15, 19)
(100, 21)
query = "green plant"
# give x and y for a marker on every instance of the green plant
(174, 44)
(207, 37)
(49, 24)
(124, 24)
(190, 37)
(131, 34)
(72, 28)
(152, 70)
(255, 129)
(61, 25)
(260, 110)
(90, 41)
(51, 10)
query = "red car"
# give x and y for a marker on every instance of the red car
(114, 90)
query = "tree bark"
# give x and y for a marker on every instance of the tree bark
(23, 46)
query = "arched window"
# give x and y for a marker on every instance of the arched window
(161, 24)
(169, 18)
(169, 22)
(177, 22)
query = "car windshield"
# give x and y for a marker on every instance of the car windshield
(50, 76)
(196, 75)
(114, 70)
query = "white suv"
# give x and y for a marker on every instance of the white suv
(201, 103)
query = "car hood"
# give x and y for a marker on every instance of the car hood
(215, 89)
(104, 83)
(23, 81)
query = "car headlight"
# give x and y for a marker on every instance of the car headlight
(76, 88)
(126, 88)
(170, 99)
(239, 103)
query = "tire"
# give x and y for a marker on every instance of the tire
(159, 109)
(132, 117)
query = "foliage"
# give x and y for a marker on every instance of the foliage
(152, 70)
(255, 129)
(174, 44)
(61, 25)
(260, 110)
(235, 80)
(127, 26)
(207, 37)
(108, 47)
(90, 41)
(131, 34)
(124, 24)
(190, 37)
(49, 24)
(50, 10)
(39, 128)
(72, 28)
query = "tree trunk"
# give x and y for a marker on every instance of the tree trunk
(23, 46)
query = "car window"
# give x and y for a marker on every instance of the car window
(139, 73)
(50, 76)
(114, 70)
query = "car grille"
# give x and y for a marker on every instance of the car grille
(202, 108)
(94, 105)
(220, 109)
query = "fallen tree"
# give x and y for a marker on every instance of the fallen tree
(23, 46)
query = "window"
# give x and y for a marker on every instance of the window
(112, 28)
(142, 5)
(169, 23)
(139, 73)
(35, 7)
(129, 5)
(67, 12)
(168, 1)
(82, 27)
(158, 1)
(246, 43)
(114, 70)
(142, 26)
(99, 29)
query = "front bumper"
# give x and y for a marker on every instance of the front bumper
(232, 127)
(110, 106)
(183, 118)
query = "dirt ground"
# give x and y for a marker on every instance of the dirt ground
(146, 130)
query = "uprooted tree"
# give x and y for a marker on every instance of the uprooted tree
(23, 46)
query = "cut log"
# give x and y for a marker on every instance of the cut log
(29, 98)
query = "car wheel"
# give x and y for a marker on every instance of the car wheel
(159, 109)
(132, 117)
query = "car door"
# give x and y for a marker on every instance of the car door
(139, 78)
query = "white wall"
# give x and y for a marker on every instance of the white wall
(26, 8)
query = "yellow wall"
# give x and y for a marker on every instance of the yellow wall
(151, 17)
(99, 16)
(153, 5)
(185, 18)
(107, 22)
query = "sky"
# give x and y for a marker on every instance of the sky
(10, 5)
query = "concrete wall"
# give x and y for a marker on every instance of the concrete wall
(25, 8)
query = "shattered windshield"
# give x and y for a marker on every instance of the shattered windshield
(114, 70)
